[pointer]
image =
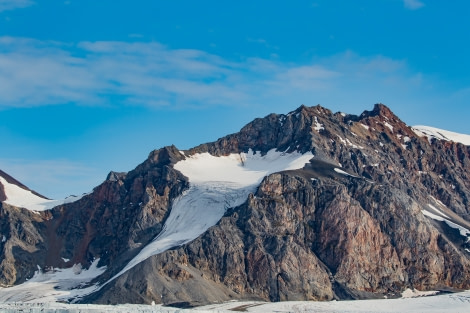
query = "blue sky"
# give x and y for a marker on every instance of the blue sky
(92, 86)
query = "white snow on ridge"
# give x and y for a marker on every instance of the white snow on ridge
(389, 126)
(55, 285)
(432, 132)
(463, 231)
(318, 126)
(23, 198)
(340, 171)
(216, 184)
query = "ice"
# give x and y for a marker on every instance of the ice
(389, 126)
(457, 302)
(318, 126)
(463, 231)
(23, 198)
(413, 293)
(432, 132)
(54, 285)
(437, 211)
(216, 184)
(340, 171)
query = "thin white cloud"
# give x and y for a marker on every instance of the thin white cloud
(36, 73)
(413, 4)
(6, 5)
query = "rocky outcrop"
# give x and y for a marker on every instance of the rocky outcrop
(22, 244)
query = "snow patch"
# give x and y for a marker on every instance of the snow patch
(318, 126)
(432, 132)
(23, 198)
(365, 126)
(437, 211)
(463, 231)
(337, 170)
(54, 285)
(342, 140)
(413, 293)
(389, 126)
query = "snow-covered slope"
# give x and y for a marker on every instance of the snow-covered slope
(456, 302)
(23, 198)
(216, 184)
(54, 285)
(432, 132)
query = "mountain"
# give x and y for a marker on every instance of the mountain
(309, 205)
(16, 191)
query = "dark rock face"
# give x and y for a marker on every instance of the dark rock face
(308, 234)
(22, 244)
(120, 216)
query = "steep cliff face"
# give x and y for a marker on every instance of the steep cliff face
(22, 244)
(377, 209)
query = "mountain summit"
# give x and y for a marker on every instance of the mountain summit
(309, 205)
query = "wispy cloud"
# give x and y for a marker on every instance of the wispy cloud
(14, 4)
(35, 73)
(413, 4)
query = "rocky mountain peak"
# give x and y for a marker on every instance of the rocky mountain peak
(115, 176)
(368, 210)
(379, 110)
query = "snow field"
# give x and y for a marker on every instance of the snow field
(216, 184)
(54, 285)
(432, 132)
(23, 198)
(457, 302)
